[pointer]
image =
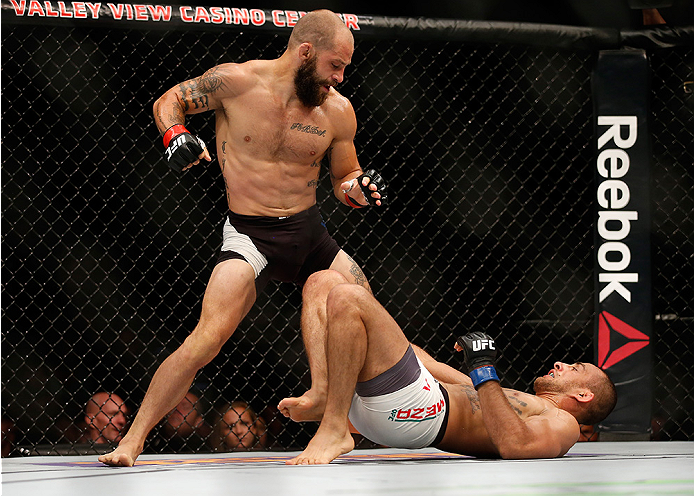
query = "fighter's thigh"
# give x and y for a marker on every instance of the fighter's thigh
(386, 342)
(346, 266)
(229, 296)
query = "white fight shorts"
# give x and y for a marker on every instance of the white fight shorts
(405, 407)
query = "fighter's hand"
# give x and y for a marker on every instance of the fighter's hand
(371, 186)
(183, 150)
(479, 353)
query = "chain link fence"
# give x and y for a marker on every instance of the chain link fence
(486, 148)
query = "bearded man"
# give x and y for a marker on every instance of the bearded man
(276, 120)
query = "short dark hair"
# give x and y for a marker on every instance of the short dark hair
(603, 402)
(317, 27)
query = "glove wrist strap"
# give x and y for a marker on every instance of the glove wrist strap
(173, 131)
(351, 202)
(481, 375)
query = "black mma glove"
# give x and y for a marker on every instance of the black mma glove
(479, 355)
(182, 148)
(375, 178)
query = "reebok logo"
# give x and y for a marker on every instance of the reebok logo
(608, 325)
(483, 344)
(613, 195)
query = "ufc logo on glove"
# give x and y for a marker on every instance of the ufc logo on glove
(173, 146)
(483, 344)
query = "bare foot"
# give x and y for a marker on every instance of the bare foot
(123, 456)
(308, 407)
(325, 446)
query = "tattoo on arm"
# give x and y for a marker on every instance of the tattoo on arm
(359, 277)
(196, 91)
(175, 114)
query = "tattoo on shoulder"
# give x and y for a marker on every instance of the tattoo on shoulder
(472, 397)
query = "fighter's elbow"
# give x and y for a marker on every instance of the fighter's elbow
(523, 451)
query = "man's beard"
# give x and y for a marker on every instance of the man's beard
(549, 385)
(307, 85)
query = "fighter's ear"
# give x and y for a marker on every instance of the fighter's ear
(305, 50)
(582, 395)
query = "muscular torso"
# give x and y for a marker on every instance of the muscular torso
(270, 151)
(466, 433)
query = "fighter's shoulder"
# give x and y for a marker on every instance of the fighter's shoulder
(339, 110)
(238, 77)
(338, 103)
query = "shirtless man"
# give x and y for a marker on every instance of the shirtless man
(397, 395)
(275, 122)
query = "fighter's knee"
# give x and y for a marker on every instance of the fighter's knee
(201, 347)
(345, 298)
(321, 281)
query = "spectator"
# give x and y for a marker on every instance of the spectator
(105, 417)
(184, 429)
(238, 428)
(7, 436)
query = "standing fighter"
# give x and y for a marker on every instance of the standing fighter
(275, 122)
(391, 393)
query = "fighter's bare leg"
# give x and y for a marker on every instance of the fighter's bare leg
(363, 342)
(310, 405)
(229, 296)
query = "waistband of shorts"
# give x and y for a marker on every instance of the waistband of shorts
(312, 211)
(444, 424)
(399, 376)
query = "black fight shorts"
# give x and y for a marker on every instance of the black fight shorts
(287, 249)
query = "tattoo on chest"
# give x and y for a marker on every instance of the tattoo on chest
(472, 397)
(313, 183)
(315, 163)
(308, 129)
